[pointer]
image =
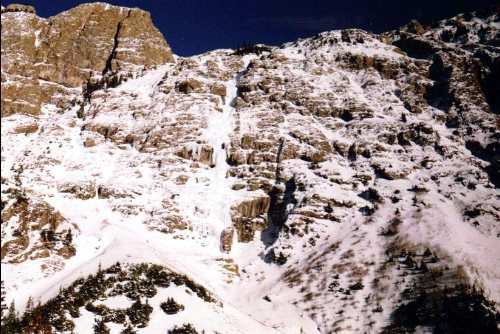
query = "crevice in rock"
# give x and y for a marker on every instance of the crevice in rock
(280, 199)
(278, 161)
(491, 154)
(438, 94)
(490, 71)
(112, 55)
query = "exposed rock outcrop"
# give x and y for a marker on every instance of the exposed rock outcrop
(226, 239)
(70, 48)
(250, 216)
(34, 230)
(18, 8)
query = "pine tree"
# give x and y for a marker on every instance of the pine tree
(27, 317)
(129, 330)
(99, 268)
(4, 305)
(171, 306)
(12, 311)
(184, 329)
(11, 323)
(100, 274)
(139, 313)
(39, 320)
(29, 306)
(100, 327)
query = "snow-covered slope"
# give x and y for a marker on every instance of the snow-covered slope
(334, 184)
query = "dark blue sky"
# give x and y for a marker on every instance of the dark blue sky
(195, 26)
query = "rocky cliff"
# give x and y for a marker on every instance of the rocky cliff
(44, 58)
(345, 183)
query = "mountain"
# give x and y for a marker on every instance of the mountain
(344, 183)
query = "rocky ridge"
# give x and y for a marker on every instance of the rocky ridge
(340, 183)
(43, 59)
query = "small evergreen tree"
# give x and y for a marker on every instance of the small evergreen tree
(27, 319)
(100, 327)
(11, 324)
(4, 305)
(171, 306)
(39, 322)
(12, 311)
(129, 330)
(29, 306)
(184, 329)
(139, 313)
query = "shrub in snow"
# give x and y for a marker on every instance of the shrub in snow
(129, 330)
(171, 306)
(356, 286)
(100, 327)
(184, 329)
(139, 313)
(251, 48)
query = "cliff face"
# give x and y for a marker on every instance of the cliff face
(346, 182)
(44, 57)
